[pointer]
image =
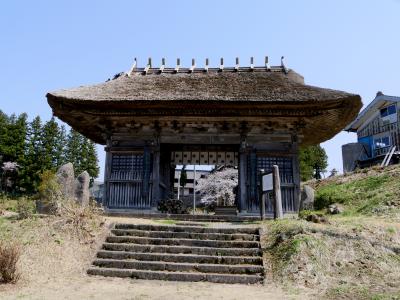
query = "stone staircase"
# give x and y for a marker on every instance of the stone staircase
(181, 253)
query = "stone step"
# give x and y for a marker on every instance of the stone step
(176, 276)
(182, 249)
(188, 223)
(192, 229)
(186, 217)
(226, 211)
(183, 258)
(186, 235)
(182, 242)
(177, 267)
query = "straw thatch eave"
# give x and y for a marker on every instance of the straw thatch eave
(258, 96)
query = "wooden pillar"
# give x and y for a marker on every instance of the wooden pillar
(107, 174)
(172, 180)
(278, 211)
(296, 172)
(146, 176)
(167, 177)
(261, 195)
(156, 176)
(252, 199)
(242, 178)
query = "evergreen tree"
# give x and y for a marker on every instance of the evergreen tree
(81, 152)
(313, 160)
(13, 143)
(50, 144)
(183, 178)
(33, 167)
(13, 137)
(89, 161)
(61, 146)
(73, 150)
(4, 121)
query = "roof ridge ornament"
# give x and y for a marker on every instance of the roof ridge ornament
(148, 67)
(162, 67)
(133, 68)
(191, 70)
(283, 65)
(237, 64)
(178, 65)
(267, 66)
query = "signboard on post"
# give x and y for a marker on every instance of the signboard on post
(267, 182)
(271, 182)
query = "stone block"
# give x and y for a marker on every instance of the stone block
(66, 180)
(82, 193)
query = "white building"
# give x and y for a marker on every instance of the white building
(201, 172)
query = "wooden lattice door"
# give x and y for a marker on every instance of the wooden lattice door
(127, 181)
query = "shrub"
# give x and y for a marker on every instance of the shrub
(9, 257)
(25, 208)
(50, 195)
(172, 206)
(79, 220)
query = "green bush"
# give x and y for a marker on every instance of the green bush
(49, 189)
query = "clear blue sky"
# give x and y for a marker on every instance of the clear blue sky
(47, 45)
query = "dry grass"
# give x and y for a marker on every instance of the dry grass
(55, 248)
(352, 260)
(54, 263)
(9, 256)
(80, 221)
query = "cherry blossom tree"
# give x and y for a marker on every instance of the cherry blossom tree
(219, 187)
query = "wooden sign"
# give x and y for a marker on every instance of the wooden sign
(267, 182)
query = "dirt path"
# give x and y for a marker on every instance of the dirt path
(87, 287)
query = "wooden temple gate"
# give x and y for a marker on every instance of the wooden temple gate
(139, 178)
(151, 119)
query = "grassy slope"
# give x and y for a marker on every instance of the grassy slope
(356, 255)
(368, 192)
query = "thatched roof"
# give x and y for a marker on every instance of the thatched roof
(228, 91)
(222, 86)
